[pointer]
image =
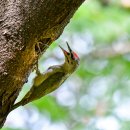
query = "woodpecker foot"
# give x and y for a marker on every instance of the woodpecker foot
(38, 71)
(38, 46)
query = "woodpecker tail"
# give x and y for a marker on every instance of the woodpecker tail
(16, 105)
(21, 103)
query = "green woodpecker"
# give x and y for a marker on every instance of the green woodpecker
(52, 78)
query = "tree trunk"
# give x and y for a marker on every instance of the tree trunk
(23, 25)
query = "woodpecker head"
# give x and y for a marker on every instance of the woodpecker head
(71, 59)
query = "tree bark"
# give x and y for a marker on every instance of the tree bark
(23, 25)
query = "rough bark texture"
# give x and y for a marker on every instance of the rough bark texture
(23, 25)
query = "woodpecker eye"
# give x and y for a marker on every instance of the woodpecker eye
(72, 57)
(68, 53)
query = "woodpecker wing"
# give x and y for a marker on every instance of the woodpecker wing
(41, 77)
(47, 86)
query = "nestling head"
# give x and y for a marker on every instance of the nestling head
(71, 59)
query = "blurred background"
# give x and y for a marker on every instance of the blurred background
(97, 95)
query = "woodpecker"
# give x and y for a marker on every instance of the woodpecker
(52, 78)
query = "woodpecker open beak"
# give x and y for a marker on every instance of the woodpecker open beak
(64, 51)
(69, 48)
(71, 52)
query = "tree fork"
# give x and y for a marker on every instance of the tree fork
(23, 24)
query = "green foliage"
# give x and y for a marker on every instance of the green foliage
(48, 105)
(95, 19)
